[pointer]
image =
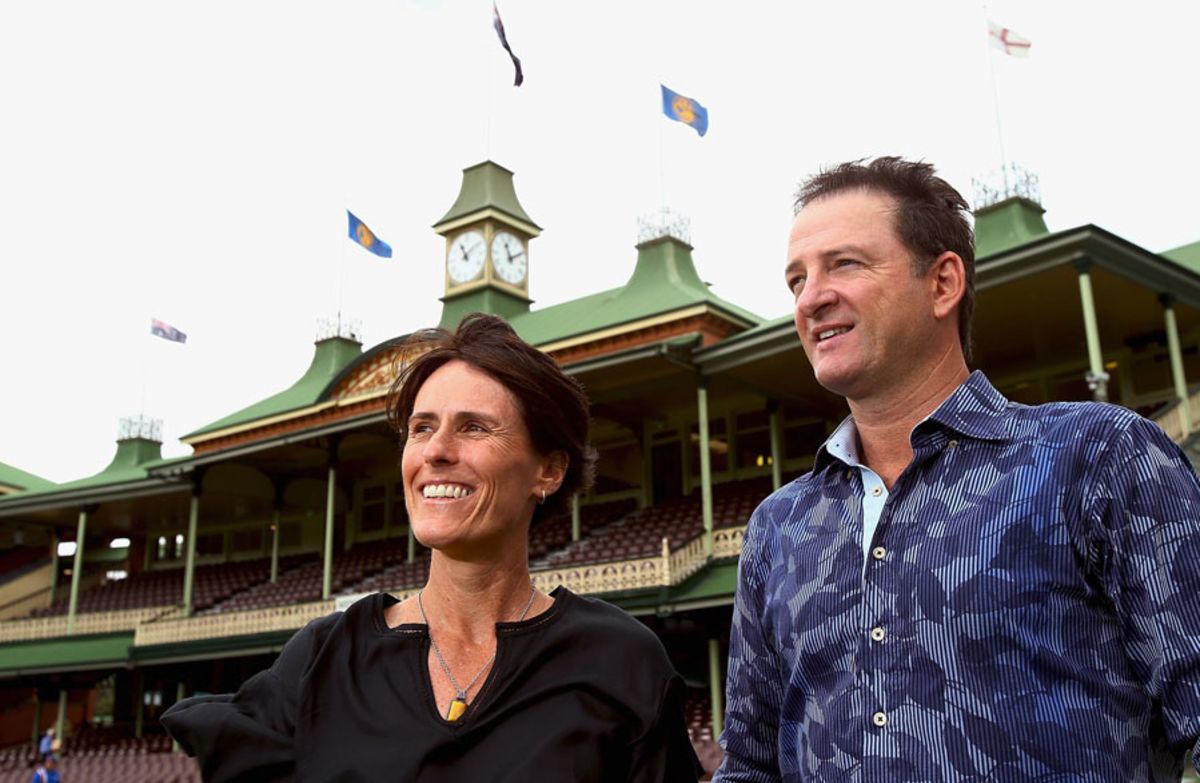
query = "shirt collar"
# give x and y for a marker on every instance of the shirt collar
(975, 410)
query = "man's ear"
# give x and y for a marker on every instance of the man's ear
(947, 278)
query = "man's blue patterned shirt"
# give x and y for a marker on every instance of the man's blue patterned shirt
(1030, 608)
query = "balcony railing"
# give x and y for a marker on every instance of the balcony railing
(166, 625)
(33, 628)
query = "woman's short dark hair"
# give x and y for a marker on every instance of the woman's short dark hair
(553, 405)
(931, 216)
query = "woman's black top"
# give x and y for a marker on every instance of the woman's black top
(582, 692)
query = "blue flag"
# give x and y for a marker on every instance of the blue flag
(683, 109)
(365, 237)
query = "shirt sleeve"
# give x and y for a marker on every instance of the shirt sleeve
(1145, 512)
(247, 736)
(665, 753)
(752, 692)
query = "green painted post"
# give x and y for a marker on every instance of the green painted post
(1173, 348)
(180, 695)
(139, 706)
(37, 716)
(275, 548)
(330, 497)
(576, 524)
(412, 544)
(705, 466)
(54, 539)
(189, 564)
(715, 688)
(77, 570)
(1092, 332)
(60, 725)
(776, 425)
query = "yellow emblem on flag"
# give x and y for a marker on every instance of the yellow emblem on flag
(683, 109)
(364, 236)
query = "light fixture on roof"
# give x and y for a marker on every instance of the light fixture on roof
(66, 548)
(121, 542)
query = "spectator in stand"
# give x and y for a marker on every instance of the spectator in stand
(486, 677)
(45, 747)
(47, 769)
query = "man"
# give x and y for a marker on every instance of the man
(47, 770)
(45, 746)
(962, 588)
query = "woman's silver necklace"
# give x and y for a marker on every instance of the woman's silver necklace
(458, 705)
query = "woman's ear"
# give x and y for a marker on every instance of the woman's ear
(554, 471)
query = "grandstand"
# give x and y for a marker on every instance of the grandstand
(188, 574)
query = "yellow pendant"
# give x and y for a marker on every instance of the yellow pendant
(457, 708)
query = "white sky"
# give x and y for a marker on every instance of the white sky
(192, 162)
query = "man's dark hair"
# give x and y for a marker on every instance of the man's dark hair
(931, 216)
(552, 404)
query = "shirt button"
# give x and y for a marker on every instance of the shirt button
(879, 719)
(952, 444)
(879, 553)
(878, 633)
(849, 474)
(877, 491)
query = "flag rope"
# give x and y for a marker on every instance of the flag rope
(996, 104)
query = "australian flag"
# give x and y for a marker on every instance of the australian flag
(166, 331)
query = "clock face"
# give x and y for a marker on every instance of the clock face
(464, 261)
(508, 258)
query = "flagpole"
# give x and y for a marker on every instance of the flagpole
(341, 279)
(996, 100)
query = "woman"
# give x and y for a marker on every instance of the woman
(480, 676)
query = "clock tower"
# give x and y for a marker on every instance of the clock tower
(487, 235)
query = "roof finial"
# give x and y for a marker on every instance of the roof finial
(140, 426)
(339, 326)
(1009, 180)
(664, 222)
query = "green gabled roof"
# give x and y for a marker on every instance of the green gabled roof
(329, 358)
(664, 280)
(486, 185)
(1007, 224)
(1187, 255)
(20, 480)
(132, 462)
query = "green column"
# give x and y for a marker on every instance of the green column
(60, 726)
(330, 497)
(180, 695)
(275, 547)
(1097, 378)
(412, 544)
(37, 716)
(776, 425)
(54, 539)
(1173, 348)
(189, 564)
(647, 464)
(705, 466)
(77, 570)
(715, 687)
(139, 705)
(575, 518)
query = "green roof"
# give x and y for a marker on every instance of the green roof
(486, 185)
(664, 280)
(21, 480)
(1187, 255)
(329, 358)
(1007, 224)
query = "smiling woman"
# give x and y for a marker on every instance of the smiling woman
(481, 676)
